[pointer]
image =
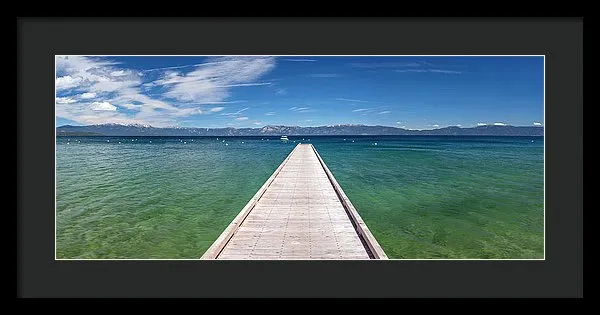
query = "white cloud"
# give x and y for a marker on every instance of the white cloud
(65, 100)
(118, 73)
(88, 95)
(360, 110)
(444, 71)
(481, 124)
(302, 109)
(257, 123)
(411, 70)
(385, 112)
(210, 83)
(309, 120)
(281, 92)
(499, 124)
(270, 113)
(109, 85)
(236, 113)
(436, 125)
(242, 118)
(535, 123)
(398, 122)
(67, 82)
(103, 106)
(244, 84)
(351, 100)
(93, 74)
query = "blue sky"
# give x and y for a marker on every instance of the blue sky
(420, 92)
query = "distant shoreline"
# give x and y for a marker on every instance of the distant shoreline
(276, 131)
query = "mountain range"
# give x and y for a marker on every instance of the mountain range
(346, 130)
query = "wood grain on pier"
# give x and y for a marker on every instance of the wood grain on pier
(300, 212)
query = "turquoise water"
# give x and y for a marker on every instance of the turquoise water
(422, 197)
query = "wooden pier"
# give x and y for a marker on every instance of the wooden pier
(300, 212)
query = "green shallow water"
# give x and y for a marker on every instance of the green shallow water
(422, 197)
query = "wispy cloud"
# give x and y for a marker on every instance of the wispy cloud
(300, 60)
(210, 83)
(270, 113)
(88, 95)
(65, 100)
(435, 125)
(385, 112)
(309, 120)
(302, 109)
(535, 123)
(241, 118)
(325, 75)
(410, 70)
(103, 106)
(244, 84)
(86, 78)
(236, 113)
(258, 123)
(351, 100)
(281, 91)
(499, 124)
(444, 71)
(216, 109)
(360, 110)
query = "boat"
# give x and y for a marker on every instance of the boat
(284, 138)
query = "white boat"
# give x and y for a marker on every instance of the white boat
(284, 138)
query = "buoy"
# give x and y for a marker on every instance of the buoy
(375, 143)
(226, 143)
(184, 142)
(242, 142)
(352, 141)
(107, 140)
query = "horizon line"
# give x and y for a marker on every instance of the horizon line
(274, 125)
